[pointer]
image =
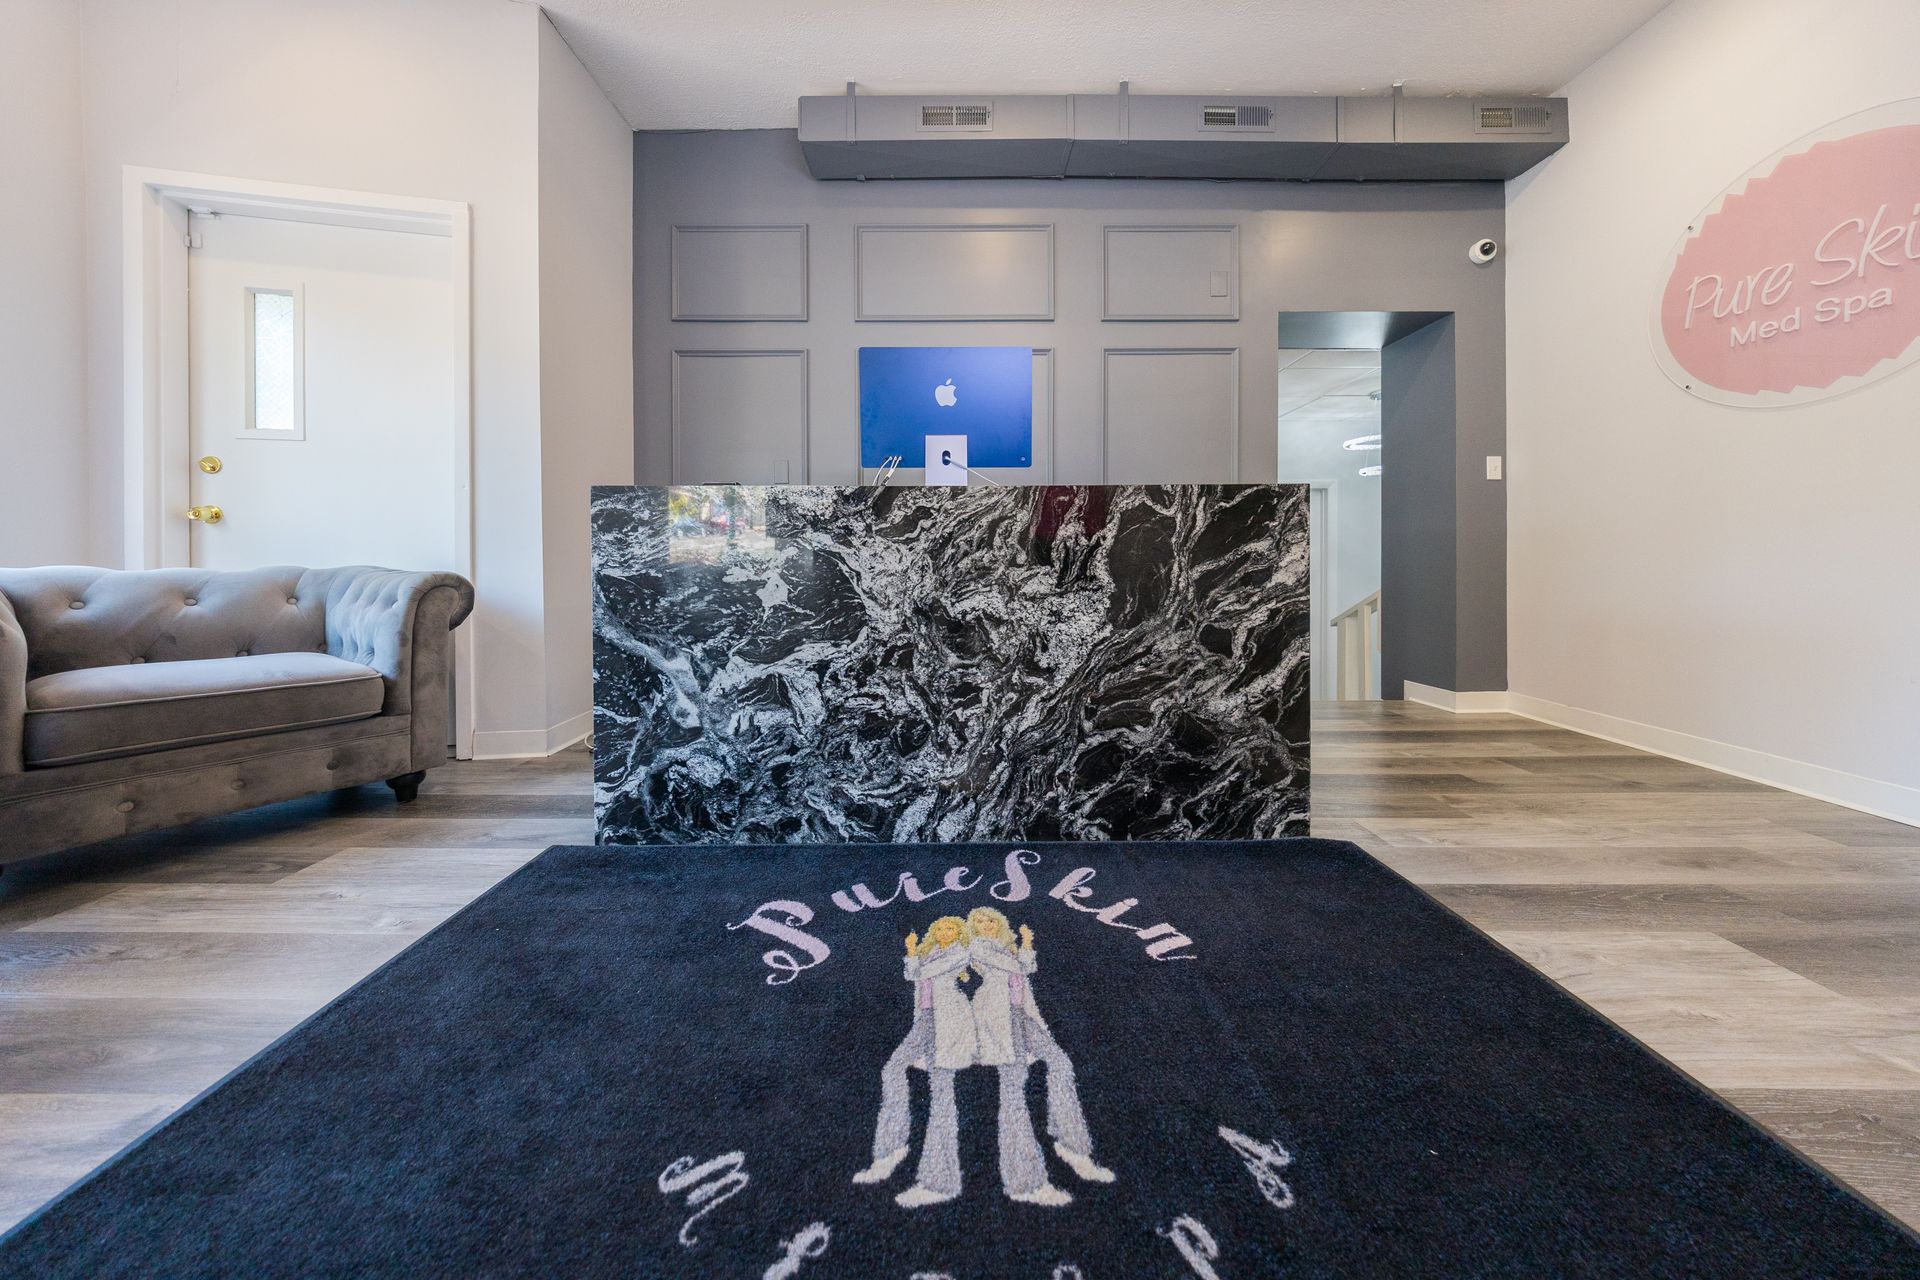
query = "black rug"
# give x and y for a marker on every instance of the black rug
(1255, 1060)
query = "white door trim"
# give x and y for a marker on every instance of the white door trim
(1328, 591)
(155, 204)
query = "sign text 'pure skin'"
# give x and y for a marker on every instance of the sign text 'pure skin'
(785, 919)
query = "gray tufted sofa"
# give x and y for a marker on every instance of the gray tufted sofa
(136, 700)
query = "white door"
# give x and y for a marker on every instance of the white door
(320, 395)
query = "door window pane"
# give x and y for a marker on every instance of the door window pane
(273, 396)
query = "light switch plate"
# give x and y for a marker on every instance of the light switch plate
(1496, 466)
(946, 460)
(1217, 284)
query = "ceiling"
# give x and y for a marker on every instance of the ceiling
(742, 64)
(1329, 385)
(1328, 397)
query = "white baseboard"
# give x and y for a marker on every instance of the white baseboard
(1869, 795)
(520, 744)
(1469, 703)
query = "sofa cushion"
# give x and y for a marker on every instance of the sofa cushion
(77, 617)
(96, 713)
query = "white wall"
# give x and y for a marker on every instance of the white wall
(586, 354)
(43, 436)
(432, 98)
(1737, 586)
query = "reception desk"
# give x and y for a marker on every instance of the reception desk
(809, 663)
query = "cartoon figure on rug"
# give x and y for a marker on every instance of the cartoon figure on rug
(1012, 1036)
(940, 1042)
(1000, 1027)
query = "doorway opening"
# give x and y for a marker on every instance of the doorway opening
(298, 373)
(1329, 420)
(1366, 421)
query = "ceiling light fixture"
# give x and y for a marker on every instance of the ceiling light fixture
(1362, 442)
(1370, 471)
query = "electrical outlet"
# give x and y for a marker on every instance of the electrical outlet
(1496, 466)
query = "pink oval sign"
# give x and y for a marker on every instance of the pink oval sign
(1802, 279)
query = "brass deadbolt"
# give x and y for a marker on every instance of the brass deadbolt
(210, 465)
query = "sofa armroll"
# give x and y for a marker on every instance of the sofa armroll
(13, 690)
(400, 624)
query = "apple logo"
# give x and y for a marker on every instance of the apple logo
(946, 396)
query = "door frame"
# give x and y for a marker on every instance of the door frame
(1327, 591)
(154, 228)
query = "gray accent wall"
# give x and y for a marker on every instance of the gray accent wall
(1419, 508)
(1152, 307)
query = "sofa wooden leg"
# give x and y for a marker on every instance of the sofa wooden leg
(407, 785)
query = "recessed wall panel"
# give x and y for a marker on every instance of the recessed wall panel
(739, 417)
(1041, 472)
(740, 273)
(954, 273)
(1171, 273)
(1171, 416)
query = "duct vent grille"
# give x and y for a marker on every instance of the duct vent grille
(1237, 117)
(956, 115)
(1511, 118)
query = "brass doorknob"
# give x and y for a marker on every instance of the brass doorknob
(210, 515)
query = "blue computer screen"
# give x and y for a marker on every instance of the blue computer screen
(982, 393)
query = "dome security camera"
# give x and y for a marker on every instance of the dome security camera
(1481, 252)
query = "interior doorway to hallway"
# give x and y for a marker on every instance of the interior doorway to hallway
(1366, 417)
(1329, 423)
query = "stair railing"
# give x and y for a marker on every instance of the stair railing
(1356, 642)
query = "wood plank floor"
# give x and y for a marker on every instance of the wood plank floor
(1765, 943)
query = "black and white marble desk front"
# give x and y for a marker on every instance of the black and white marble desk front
(813, 663)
